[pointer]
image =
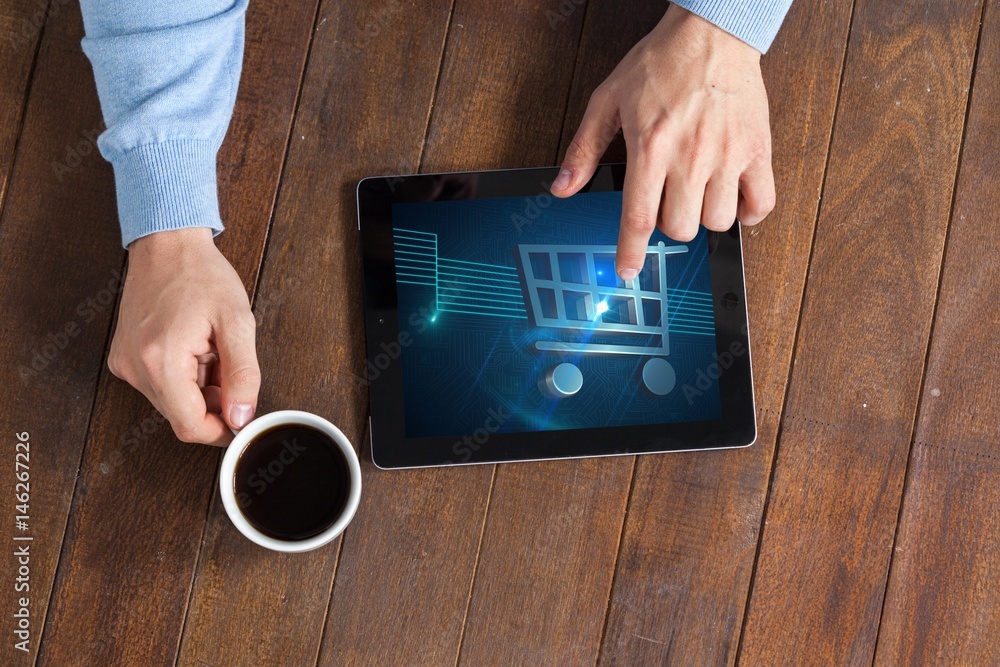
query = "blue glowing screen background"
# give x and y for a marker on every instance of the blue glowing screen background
(512, 319)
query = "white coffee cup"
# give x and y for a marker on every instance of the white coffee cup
(227, 477)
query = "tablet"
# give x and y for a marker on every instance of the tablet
(498, 330)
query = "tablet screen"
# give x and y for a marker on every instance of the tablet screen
(512, 319)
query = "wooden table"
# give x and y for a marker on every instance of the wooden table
(862, 527)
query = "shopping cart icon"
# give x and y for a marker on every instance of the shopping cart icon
(574, 289)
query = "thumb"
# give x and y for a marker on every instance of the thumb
(599, 126)
(239, 374)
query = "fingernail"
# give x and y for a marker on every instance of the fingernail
(628, 274)
(562, 180)
(240, 414)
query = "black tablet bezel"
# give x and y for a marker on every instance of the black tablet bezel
(391, 449)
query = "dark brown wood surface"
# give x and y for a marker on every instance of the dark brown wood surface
(689, 543)
(861, 526)
(141, 498)
(21, 23)
(863, 335)
(941, 604)
(353, 95)
(57, 251)
(549, 541)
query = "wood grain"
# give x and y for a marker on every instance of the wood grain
(690, 539)
(549, 544)
(943, 600)
(21, 23)
(59, 247)
(152, 571)
(504, 80)
(363, 110)
(551, 538)
(866, 317)
(139, 509)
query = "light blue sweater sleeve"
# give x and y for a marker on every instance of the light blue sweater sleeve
(756, 22)
(167, 73)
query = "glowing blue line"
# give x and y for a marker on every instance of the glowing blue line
(484, 280)
(476, 312)
(413, 231)
(698, 307)
(705, 322)
(673, 296)
(496, 266)
(476, 305)
(689, 305)
(480, 281)
(426, 250)
(466, 307)
(686, 303)
(682, 299)
(410, 282)
(689, 325)
(459, 274)
(414, 275)
(485, 294)
(400, 239)
(484, 306)
(697, 314)
(488, 287)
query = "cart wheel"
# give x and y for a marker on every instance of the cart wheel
(658, 376)
(563, 380)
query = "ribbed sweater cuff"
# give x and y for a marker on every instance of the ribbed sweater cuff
(166, 186)
(756, 22)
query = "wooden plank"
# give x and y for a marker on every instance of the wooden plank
(503, 85)
(689, 542)
(866, 318)
(551, 536)
(59, 247)
(139, 510)
(943, 599)
(363, 110)
(21, 23)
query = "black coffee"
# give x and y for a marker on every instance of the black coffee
(292, 482)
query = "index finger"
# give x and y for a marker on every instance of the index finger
(645, 175)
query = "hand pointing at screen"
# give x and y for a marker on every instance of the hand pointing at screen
(691, 104)
(688, 97)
